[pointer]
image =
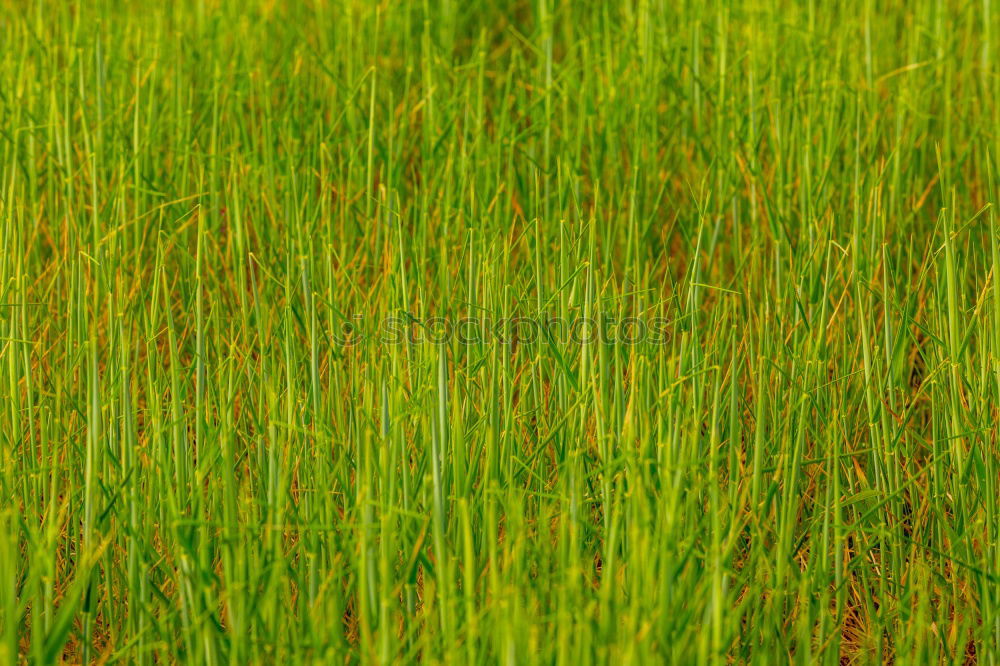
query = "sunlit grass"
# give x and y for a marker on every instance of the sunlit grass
(209, 210)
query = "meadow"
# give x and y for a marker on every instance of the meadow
(762, 427)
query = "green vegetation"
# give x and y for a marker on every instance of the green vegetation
(201, 462)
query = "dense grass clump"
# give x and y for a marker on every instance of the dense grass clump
(520, 331)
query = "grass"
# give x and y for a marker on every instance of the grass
(210, 454)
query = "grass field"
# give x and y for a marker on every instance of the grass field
(499, 331)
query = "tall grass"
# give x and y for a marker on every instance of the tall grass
(206, 456)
